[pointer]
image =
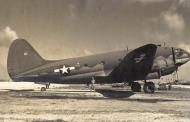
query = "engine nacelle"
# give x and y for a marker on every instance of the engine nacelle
(154, 75)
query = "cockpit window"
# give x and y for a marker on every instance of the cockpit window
(178, 52)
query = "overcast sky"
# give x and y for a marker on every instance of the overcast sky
(60, 29)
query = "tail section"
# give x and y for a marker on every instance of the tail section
(22, 57)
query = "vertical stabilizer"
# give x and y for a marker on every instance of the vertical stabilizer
(22, 57)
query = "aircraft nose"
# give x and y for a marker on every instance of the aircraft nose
(188, 55)
(182, 56)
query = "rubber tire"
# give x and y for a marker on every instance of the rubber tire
(43, 89)
(135, 87)
(149, 87)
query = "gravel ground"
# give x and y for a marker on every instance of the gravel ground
(76, 103)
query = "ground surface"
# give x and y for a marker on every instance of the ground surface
(20, 103)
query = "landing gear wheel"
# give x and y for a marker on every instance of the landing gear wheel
(135, 87)
(43, 89)
(149, 87)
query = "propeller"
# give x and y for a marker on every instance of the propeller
(174, 59)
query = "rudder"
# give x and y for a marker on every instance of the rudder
(22, 57)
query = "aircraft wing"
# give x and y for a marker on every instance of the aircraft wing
(136, 64)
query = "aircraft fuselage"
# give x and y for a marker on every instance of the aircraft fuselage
(81, 69)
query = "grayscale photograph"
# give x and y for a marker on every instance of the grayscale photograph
(94, 60)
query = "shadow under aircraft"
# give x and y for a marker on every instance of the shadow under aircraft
(126, 66)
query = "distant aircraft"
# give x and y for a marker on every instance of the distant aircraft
(127, 66)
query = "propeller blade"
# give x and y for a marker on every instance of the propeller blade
(174, 59)
(173, 54)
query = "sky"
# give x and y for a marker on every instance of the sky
(60, 29)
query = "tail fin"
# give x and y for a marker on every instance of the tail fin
(22, 57)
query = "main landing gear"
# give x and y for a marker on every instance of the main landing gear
(46, 87)
(90, 84)
(149, 87)
(136, 87)
(43, 88)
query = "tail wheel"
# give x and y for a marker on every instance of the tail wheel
(43, 89)
(92, 87)
(135, 87)
(149, 87)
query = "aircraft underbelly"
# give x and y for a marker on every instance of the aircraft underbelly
(80, 78)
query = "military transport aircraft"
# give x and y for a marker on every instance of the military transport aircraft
(144, 63)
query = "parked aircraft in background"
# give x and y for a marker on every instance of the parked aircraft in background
(144, 63)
